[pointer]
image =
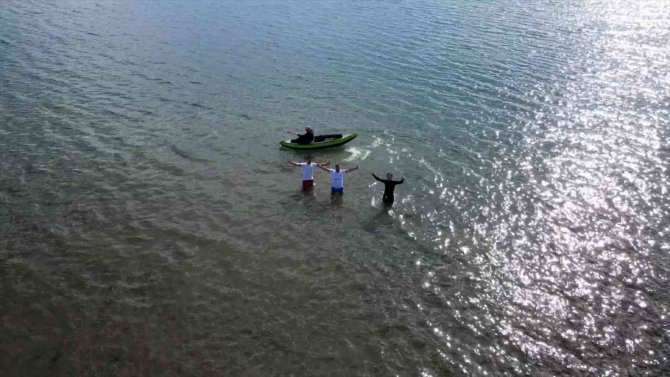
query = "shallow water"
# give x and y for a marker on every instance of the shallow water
(150, 225)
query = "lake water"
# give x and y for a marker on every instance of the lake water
(150, 224)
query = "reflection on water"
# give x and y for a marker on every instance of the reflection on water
(564, 246)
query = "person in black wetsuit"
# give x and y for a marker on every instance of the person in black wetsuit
(389, 186)
(305, 138)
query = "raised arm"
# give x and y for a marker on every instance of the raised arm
(292, 133)
(377, 178)
(324, 163)
(294, 163)
(322, 168)
(401, 181)
(352, 169)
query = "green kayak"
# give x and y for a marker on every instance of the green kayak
(322, 141)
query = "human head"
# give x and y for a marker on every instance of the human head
(389, 176)
(309, 130)
(309, 159)
(337, 168)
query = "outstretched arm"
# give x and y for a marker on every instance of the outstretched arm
(294, 163)
(292, 133)
(377, 178)
(324, 163)
(352, 169)
(322, 168)
(401, 181)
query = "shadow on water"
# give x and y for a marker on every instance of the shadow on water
(303, 196)
(382, 220)
(336, 200)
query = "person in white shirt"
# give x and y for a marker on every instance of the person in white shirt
(337, 176)
(308, 172)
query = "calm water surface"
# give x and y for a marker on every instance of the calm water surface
(150, 225)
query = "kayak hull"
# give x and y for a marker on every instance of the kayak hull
(320, 145)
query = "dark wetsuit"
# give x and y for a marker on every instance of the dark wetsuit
(304, 139)
(389, 186)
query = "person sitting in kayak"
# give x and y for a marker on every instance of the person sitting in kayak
(308, 171)
(337, 176)
(389, 186)
(305, 138)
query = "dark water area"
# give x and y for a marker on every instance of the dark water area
(151, 225)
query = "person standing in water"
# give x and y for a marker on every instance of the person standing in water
(337, 176)
(389, 186)
(308, 171)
